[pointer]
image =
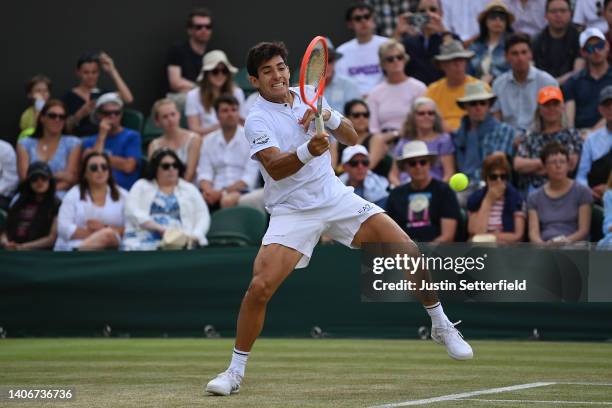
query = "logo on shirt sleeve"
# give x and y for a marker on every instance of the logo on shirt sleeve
(261, 140)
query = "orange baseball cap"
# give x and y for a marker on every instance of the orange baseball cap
(549, 93)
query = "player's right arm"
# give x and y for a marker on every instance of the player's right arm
(284, 164)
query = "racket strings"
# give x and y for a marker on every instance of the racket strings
(315, 70)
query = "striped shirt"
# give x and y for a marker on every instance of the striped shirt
(495, 217)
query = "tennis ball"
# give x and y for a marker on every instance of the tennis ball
(458, 181)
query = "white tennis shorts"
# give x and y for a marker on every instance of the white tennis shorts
(301, 230)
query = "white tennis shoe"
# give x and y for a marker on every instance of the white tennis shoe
(226, 383)
(452, 339)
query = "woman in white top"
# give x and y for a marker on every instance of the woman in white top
(214, 80)
(162, 202)
(185, 144)
(91, 214)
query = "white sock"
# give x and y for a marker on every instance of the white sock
(239, 360)
(435, 311)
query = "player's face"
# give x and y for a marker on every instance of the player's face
(272, 79)
(200, 29)
(357, 168)
(519, 56)
(558, 14)
(89, 73)
(228, 115)
(168, 117)
(557, 166)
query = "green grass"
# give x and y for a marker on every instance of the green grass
(300, 372)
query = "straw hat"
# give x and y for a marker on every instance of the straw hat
(452, 50)
(496, 5)
(212, 59)
(475, 91)
(415, 148)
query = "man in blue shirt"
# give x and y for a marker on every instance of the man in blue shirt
(120, 144)
(596, 159)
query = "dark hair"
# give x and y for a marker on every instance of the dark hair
(569, 3)
(551, 149)
(494, 161)
(88, 58)
(207, 92)
(483, 36)
(264, 51)
(517, 38)
(38, 131)
(42, 220)
(348, 107)
(605, 4)
(356, 6)
(225, 98)
(84, 187)
(36, 79)
(157, 157)
(198, 12)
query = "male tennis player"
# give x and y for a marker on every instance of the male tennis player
(305, 199)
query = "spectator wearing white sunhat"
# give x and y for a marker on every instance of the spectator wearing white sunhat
(214, 80)
(425, 208)
(366, 183)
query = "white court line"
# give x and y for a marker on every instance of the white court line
(465, 395)
(584, 383)
(541, 402)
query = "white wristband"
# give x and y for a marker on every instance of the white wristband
(334, 121)
(304, 154)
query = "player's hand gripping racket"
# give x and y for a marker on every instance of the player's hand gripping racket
(312, 73)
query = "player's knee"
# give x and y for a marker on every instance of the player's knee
(259, 291)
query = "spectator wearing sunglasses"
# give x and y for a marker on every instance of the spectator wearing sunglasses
(424, 123)
(81, 100)
(164, 204)
(120, 144)
(31, 221)
(517, 89)
(479, 135)
(391, 100)
(550, 124)
(423, 42)
(495, 24)
(214, 80)
(559, 211)
(357, 174)
(497, 208)
(184, 60)
(425, 208)
(581, 91)
(360, 55)
(49, 144)
(91, 214)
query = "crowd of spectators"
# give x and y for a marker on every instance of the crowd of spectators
(516, 94)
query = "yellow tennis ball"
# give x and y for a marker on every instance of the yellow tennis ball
(458, 182)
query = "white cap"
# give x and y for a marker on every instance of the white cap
(590, 33)
(110, 97)
(351, 151)
(415, 148)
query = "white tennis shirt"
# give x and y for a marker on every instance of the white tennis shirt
(315, 185)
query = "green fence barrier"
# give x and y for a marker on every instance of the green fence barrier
(178, 293)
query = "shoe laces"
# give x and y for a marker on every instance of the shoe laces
(450, 328)
(233, 375)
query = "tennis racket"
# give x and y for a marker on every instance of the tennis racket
(312, 73)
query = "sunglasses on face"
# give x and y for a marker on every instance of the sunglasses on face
(56, 116)
(496, 15)
(355, 163)
(106, 113)
(598, 46)
(198, 27)
(498, 176)
(38, 177)
(360, 115)
(94, 167)
(218, 71)
(431, 9)
(392, 58)
(478, 103)
(421, 162)
(167, 166)
(428, 113)
(360, 17)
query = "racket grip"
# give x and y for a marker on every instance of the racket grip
(319, 125)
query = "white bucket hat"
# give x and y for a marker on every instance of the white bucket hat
(475, 91)
(415, 148)
(212, 59)
(351, 151)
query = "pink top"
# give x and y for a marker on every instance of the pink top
(390, 103)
